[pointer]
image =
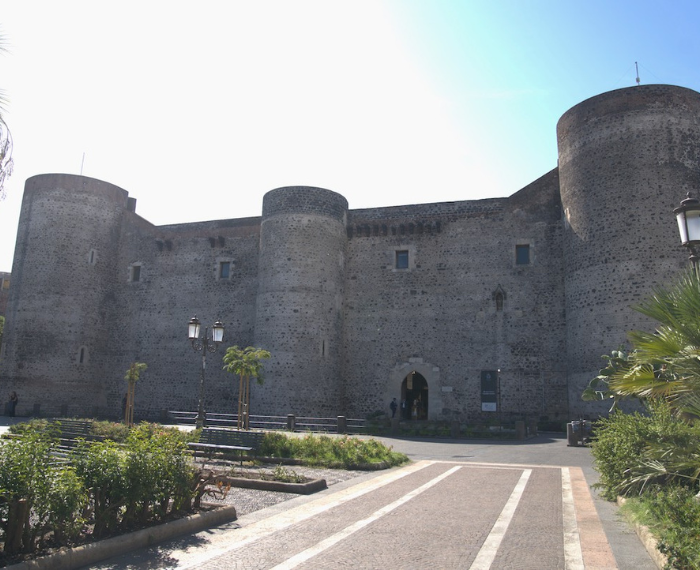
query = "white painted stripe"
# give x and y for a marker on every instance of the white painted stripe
(332, 540)
(488, 550)
(573, 557)
(247, 535)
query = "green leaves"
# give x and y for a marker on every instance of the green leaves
(664, 364)
(246, 362)
(134, 372)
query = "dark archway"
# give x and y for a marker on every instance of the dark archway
(414, 397)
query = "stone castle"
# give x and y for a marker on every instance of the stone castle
(464, 309)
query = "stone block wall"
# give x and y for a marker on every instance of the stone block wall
(626, 160)
(325, 290)
(440, 312)
(180, 277)
(299, 303)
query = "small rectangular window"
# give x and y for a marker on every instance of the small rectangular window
(402, 259)
(224, 269)
(522, 254)
(135, 272)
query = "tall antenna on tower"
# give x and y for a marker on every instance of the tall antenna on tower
(637, 68)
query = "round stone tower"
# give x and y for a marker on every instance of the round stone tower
(626, 160)
(62, 294)
(299, 303)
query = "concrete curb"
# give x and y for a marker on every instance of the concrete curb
(307, 488)
(648, 540)
(103, 549)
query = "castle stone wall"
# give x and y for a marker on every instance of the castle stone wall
(440, 313)
(180, 278)
(96, 287)
(626, 159)
(56, 350)
(300, 300)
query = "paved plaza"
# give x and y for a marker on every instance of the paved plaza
(458, 504)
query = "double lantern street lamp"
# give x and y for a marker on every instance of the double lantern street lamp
(203, 345)
(688, 217)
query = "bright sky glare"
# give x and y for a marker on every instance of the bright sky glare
(198, 109)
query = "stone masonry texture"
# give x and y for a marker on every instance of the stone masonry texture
(95, 287)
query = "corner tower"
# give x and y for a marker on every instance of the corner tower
(626, 160)
(62, 295)
(299, 303)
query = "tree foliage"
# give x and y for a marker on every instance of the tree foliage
(246, 363)
(664, 364)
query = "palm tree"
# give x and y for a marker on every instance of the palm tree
(246, 363)
(662, 370)
(665, 363)
(132, 376)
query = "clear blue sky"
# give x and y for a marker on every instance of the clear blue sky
(198, 109)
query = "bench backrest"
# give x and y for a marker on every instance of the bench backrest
(73, 428)
(219, 436)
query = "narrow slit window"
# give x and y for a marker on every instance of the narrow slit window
(136, 273)
(402, 259)
(224, 269)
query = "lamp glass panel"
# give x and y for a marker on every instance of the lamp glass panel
(193, 330)
(692, 218)
(217, 334)
(682, 229)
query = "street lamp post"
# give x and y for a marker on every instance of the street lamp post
(688, 217)
(203, 345)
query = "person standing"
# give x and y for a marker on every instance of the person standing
(13, 403)
(394, 405)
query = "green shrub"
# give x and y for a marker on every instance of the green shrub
(40, 496)
(333, 452)
(116, 431)
(277, 444)
(634, 450)
(101, 466)
(32, 426)
(67, 498)
(672, 513)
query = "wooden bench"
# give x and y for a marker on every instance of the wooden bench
(69, 432)
(223, 440)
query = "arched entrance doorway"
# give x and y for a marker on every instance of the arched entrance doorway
(414, 397)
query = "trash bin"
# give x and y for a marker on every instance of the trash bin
(578, 432)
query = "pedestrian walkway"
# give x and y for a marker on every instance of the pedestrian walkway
(434, 513)
(460, 504)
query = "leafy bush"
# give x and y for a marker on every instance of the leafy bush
(284, 475)
(44, 501)
(333, 452)
(115, 431)
(673, 515)
(39, 495)
(633, 450)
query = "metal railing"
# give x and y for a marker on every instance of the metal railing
(290, 422)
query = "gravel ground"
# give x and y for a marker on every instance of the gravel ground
(250, 500)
